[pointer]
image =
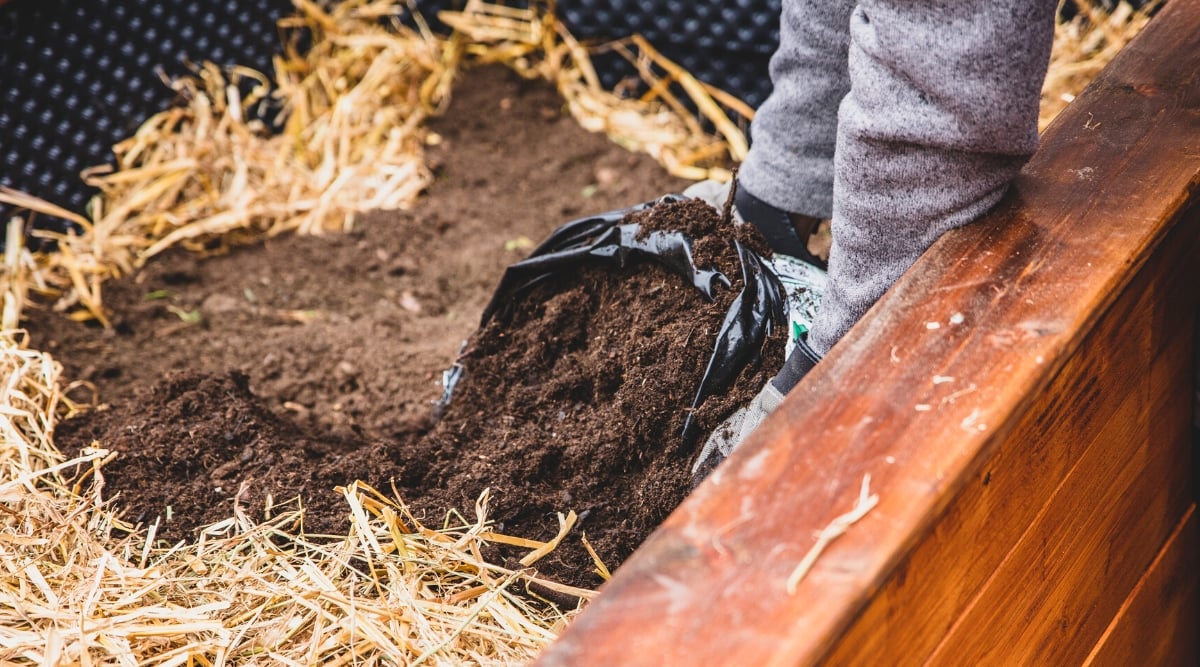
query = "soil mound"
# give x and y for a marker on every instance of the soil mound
(194, 442)
(574, 399)
(577, 398)
(316, 360)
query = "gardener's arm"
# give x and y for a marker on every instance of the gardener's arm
(939, 115)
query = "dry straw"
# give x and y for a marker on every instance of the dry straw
(657, 122)
(1083, 46)
(210, 172)
(78, 586)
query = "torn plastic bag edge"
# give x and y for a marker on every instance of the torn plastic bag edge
(751, 318)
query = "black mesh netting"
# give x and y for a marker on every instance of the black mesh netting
(78, 76)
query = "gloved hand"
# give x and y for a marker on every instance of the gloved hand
(726, 437)
(787, 233)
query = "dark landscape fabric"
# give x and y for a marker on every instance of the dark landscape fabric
(77, 77)
(80, 76)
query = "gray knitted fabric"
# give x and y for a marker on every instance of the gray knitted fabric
(790, 163)
(938, 112)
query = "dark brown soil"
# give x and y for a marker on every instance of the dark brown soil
(317, 360)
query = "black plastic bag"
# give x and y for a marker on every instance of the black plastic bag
(751, 318)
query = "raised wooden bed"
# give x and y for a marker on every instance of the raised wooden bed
(1022, 400)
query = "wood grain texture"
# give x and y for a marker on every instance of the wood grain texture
(1095, 416)
(926, 410)
(1055, 591)
(1157, 624)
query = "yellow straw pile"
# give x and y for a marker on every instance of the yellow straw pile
(1083, 46)
(390, 592)
(209, 173)
(76, 585)
(77, 588)
(657, 122)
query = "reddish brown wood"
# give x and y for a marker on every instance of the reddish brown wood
(1032, 283)
(1094, 422)
(1158, 624)
(1053, 594)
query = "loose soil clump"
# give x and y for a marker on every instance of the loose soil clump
(317, 361)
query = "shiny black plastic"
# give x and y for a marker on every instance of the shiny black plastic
(751, 318)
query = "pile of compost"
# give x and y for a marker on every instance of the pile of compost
(303, 365)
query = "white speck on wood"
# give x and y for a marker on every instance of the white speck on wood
(969, 422)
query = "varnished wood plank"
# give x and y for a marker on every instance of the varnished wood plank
(1055, 592)
(1159, 624)
(1031, 282)
(1103, 387)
